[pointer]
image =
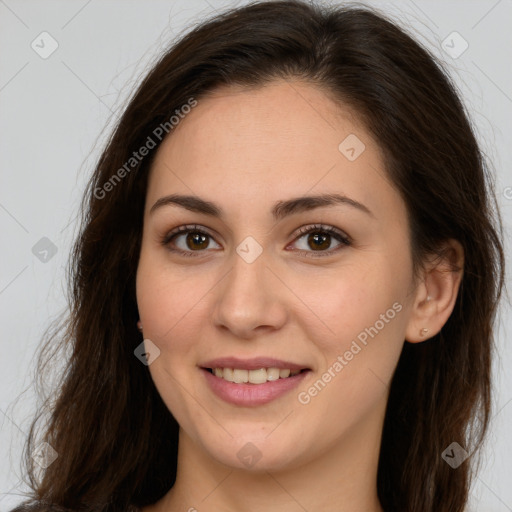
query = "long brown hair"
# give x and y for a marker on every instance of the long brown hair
(116, 441)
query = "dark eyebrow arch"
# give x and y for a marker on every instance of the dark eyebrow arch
(280, 210)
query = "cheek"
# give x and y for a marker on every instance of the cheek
(165, 298)
(349, 303)
(174, 307)
(170, 310)
(363, 314)
(172, 318)
(359, 355)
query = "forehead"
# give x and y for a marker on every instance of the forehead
(257, 144)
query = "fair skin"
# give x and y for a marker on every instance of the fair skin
(245, 150)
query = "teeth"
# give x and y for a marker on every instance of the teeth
(259, 376)
(273, 373)
(240, 376)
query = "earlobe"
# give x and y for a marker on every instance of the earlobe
(437, 293)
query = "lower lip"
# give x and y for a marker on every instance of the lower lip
(251, 395)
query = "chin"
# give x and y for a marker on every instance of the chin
(255, 454)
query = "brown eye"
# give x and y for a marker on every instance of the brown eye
(196, 240)
(192, 241)
(187, 240)
(319, 239)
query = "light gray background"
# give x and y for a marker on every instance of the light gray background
(53, 115)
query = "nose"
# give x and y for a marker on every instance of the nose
(250, 300)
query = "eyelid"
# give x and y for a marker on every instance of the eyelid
(308, 228)
(339, 235)
(184, 229)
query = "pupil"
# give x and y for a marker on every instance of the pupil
(322, 244)
(196, 237)
(198, 240)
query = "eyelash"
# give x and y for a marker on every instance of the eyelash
(316, 228)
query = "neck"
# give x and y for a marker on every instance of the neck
(342, 479)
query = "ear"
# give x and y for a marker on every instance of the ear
(437, 292)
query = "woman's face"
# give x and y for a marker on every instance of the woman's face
(256, 281)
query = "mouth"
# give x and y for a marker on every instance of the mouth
(258, 376)
(252, 382)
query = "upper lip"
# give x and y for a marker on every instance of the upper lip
(254, 363)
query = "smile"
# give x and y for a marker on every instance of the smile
(251, 383)
(258, 376)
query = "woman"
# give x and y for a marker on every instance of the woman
(290, 261)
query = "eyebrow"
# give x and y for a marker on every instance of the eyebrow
(280, 210)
